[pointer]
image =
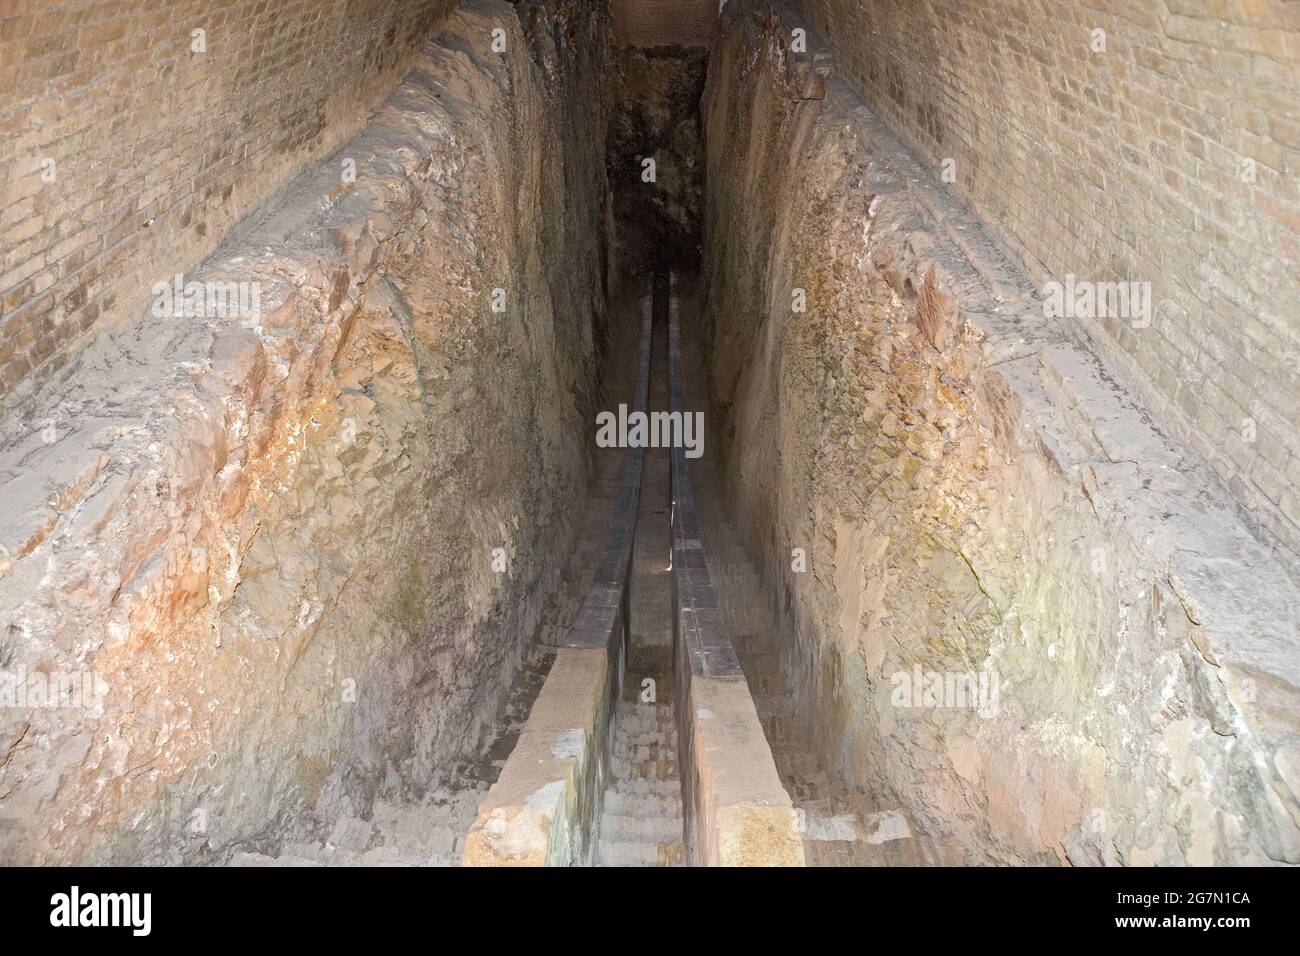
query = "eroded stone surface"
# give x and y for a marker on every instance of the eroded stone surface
(657, 118)
(543, 809)
(975, 493)
(274, 541)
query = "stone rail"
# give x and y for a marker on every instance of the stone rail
(737, 812)
(544, 808)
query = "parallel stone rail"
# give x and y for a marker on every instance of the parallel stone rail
(737, 813)
(544, 808)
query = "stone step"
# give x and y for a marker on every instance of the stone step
(645, 790)
(648, 771)
(636, 853)
(657, 759)
(642, 746)
(642, 726)
(656, 749)
(651, 829)
(644, 736)
(626, 801)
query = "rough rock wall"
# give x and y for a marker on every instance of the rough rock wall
(657, 117)
(976, 497)
(274, 539)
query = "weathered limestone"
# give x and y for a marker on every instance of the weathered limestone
(275, 540)
(741, 815)
(543, 809)
(657, 117)
(972, 492)
(265, 578)
(737, 812)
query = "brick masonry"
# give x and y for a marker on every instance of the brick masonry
(126, 152)
(651, 23)
(1127, 164)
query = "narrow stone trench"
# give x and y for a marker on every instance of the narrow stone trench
(646, 445)
(838, 825)
(641, 821)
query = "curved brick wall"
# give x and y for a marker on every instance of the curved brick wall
(122, 146)
(1127, 164)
